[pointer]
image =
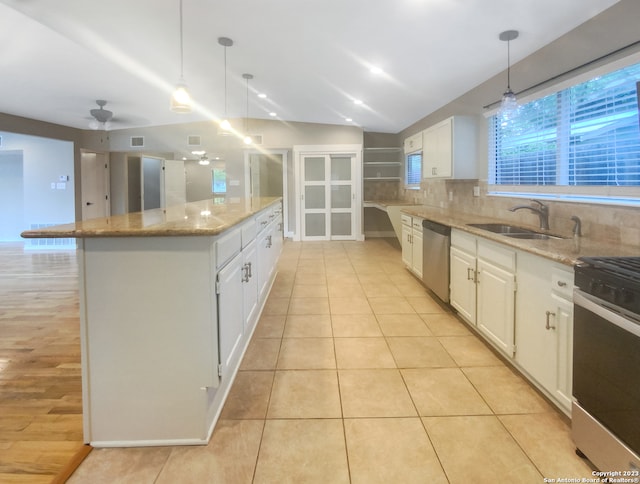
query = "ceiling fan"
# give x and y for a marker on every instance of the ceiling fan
(101, 116)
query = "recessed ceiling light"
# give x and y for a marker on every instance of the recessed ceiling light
(357, 102)
(375, 70)
(262, 95)
(273, 114)
(348, 120)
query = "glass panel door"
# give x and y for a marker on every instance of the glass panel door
(342, 197)
(314, 197)
(328, 197)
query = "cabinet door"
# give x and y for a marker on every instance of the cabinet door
(249, 286)
(416, 252)
(495, 292)
(230, 312)
(462, 284)
(564, 366)
(266, 256)
(536, 345)
(438, 155)
(407, 247)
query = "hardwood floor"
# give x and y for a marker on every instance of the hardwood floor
(40, 387)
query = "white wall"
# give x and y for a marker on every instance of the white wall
(44, 162)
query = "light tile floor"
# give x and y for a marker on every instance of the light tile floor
(355, 374)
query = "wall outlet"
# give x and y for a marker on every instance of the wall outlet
(451, 195)
(476, 191)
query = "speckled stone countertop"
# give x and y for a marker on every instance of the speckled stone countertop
(195, 218)
(565, 251)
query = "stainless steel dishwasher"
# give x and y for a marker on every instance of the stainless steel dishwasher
(435, 261)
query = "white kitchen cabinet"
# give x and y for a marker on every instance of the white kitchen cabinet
(269, 245)
(544, 319)
(482, 287)
(449, 149)
(463, 283)
(249, 286)
(496, 305)
(230, 313)
(413, 143)
(412, 240)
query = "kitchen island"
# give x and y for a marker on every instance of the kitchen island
(169, 299)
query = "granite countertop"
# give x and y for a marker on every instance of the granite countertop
(566, 251)
(195, 218)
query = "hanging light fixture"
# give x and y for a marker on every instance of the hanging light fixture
(181, 99)
(224, 124)
(509, 103)
(247, 138)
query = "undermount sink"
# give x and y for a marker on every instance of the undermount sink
(533, 235)
(502, 228)
(514, 231)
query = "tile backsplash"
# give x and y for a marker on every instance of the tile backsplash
(617, 224)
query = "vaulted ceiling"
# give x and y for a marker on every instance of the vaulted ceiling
(312, 59)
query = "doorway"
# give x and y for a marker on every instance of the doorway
(95, 185)
(11, 195)
(329, 204)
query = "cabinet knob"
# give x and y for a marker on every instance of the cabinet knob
(562, 283)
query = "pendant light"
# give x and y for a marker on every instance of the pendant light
(509, 103)
(180, 99)
(247, 138)
(224, 124)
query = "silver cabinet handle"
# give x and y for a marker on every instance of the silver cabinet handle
(245, 273)
(562, 283)
(549, 314)
(249, 267)
(469, 274)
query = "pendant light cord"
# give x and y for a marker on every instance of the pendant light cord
(508, 65)
(225, 82)
(181, 46)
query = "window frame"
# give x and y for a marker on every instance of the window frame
(407, 184)
(598, 194)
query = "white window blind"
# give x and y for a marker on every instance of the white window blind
(587, 134)
(414, 169)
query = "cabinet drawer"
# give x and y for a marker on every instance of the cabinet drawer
(497, 254)
(562, 282)
(227, 246)
(248, 232)
(262, 219)
(406, 219)
(464, 241)
(417, 223)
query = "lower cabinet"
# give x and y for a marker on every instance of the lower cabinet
(522, 304)
(230, 312)
(482, 287)
(496, 305)
(164, 324)
(544, 314)
(412, 240)
(463, 283)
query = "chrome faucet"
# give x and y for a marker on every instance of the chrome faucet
(541, 209)
(577, 228)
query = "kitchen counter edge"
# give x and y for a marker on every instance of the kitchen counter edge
(202, 218)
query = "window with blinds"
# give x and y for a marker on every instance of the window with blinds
(413, 172)
(587, 134)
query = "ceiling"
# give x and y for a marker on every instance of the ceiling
(311, 58)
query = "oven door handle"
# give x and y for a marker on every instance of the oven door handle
(590, 303)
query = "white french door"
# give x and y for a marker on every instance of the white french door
(328, 196)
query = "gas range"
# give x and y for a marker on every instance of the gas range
(613, 279)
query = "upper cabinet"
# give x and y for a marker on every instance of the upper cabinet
(413, 143)
(449, 149)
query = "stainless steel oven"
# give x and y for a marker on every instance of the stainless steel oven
(606, 363)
